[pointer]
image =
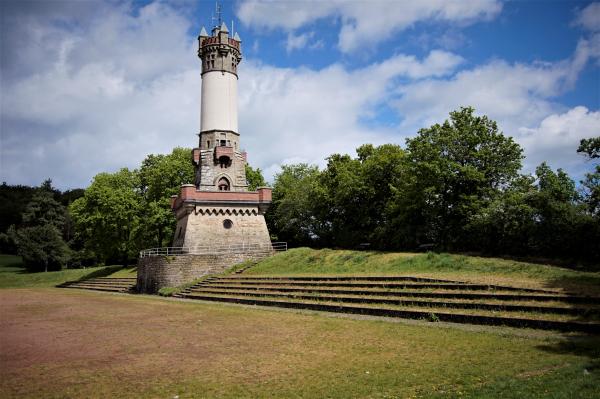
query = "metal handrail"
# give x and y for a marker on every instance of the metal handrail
(215, 249)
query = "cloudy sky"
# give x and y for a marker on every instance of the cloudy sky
(93, 86)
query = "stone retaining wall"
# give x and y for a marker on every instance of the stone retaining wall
(156, 272)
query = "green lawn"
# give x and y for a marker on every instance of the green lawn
(306, 261)
(13, 275)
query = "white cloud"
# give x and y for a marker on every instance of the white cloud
(297, 42)
(589, 17)
(105, 96)
(517, 96)
(303, 115)
(364, 23)
(124, 85)
(557, 137)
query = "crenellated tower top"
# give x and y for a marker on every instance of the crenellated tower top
(219, 51)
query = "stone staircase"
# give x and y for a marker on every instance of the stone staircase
(408, 297)
(123, 284)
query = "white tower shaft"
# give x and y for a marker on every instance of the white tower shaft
(219, 102)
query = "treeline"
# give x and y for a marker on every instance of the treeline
(109, 222)
(456, 186)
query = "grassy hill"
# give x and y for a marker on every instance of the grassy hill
(306, 261)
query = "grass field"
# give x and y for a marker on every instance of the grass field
(62, 343)
(57, 343)
(12, 274)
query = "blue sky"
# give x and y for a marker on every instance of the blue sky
(93, 86)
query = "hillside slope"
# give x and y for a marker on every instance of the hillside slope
(306, 261)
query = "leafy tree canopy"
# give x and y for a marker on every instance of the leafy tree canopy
(254, 178)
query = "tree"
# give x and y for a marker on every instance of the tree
(357, 192)
(107, 216)
(293, 214)
(456, 169)
(41, 247)
(590, 147)
(506, 224)
(254, 178)
(160, 177)
(591, 183)
(38, 238)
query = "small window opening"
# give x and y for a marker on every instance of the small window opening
(223, 143)
(227, 223)
(208, 144)
(223, 184)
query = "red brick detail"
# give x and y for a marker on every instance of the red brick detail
(196, 155)
(265, 194)
(189, 192)
(224, 152)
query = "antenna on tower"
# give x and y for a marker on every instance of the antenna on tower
(218, 17)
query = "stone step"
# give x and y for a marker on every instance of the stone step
(409, 293)
(431, 314)
(123, 284)
(100, 288)
(384, 279)
(336, 278)
(383, 284)
(498, 306)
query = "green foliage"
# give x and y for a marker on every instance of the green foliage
(13, 200)
(42, 248)
(38, 238)
(107, 216)
(124, 212)
(161, 177)
(254, 178)
(455, 187)
(455, 169)
(296, 193)
(590, 146)
(44, 209)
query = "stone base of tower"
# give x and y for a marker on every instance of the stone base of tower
(215, 230)
(221, 219)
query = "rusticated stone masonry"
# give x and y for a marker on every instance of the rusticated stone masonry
(156, 272)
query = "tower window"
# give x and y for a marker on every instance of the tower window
(223, 184)
(223, 143)
(227, 223)
(208, 144)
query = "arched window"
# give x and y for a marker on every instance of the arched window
(223, 184)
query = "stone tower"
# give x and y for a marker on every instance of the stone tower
(218, 210)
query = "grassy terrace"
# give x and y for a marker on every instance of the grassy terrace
(58, 343)
(306, 261)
